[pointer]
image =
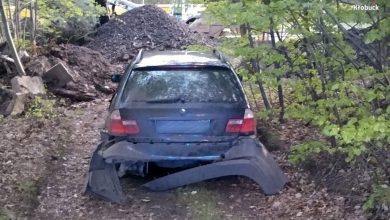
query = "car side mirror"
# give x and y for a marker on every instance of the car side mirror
(116, 78)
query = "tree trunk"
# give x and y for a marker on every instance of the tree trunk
(277, 66)
(243, 31)
(10, 41)
(11, 23)
(17, 19)
(267, 104)
(33, 25)
(253, 95)
(256, 68)
(103, 18)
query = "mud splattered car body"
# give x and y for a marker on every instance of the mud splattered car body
(180, 109)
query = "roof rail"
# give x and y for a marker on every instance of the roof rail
(139, 56)
(219, 55)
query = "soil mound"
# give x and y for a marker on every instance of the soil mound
(147, 27)
(90, 72)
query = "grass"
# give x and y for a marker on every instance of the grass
(28, 186)
(202, 203)
(41, 108)
(4, 216)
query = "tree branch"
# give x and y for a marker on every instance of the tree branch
(371, 57)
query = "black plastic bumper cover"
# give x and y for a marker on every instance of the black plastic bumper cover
(102, 179)
(246, 158)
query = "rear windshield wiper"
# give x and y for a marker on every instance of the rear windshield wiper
(167, 100)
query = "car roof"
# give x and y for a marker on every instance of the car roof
(179, 58)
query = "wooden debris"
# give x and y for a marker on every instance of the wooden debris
(74, 95)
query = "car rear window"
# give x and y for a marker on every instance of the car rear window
(192, 85)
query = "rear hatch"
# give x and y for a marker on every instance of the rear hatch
(182, 103)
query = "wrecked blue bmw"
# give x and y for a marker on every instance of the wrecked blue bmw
(179, 109)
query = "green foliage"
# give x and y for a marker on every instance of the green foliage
(338, 84)
(67, 20)
(202, 203)
(4, 216)
(21, 43)
(265, 115)
(349, 115)
(41, 108)
(381, 28)
(28, 186)
(345, 97)
(379, 197)
(299, 153)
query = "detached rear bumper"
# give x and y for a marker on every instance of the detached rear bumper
(146, 152)
(247, 157)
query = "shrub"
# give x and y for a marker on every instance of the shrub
(67, 20)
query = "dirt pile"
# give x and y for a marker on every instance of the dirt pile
(83, 73)
(147, 27)
(91, 72)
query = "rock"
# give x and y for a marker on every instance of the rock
(12, 103)
(6, 96)
(276, 205)
(17, 105)
(125, 57)
(156, 207)
(58, 75)
(72, 86)
(27, 84)
(340, 201)
(9, 136)
(385, 207)
(24, 56)
(38, 66)
(298, 195)
(55, 51)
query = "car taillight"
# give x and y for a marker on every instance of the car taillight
(116, 126)
(246, 126)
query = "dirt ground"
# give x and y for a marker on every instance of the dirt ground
(44, 162)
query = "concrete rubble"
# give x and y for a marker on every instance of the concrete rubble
(28, 84)
(58, 75)
(17, 104)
